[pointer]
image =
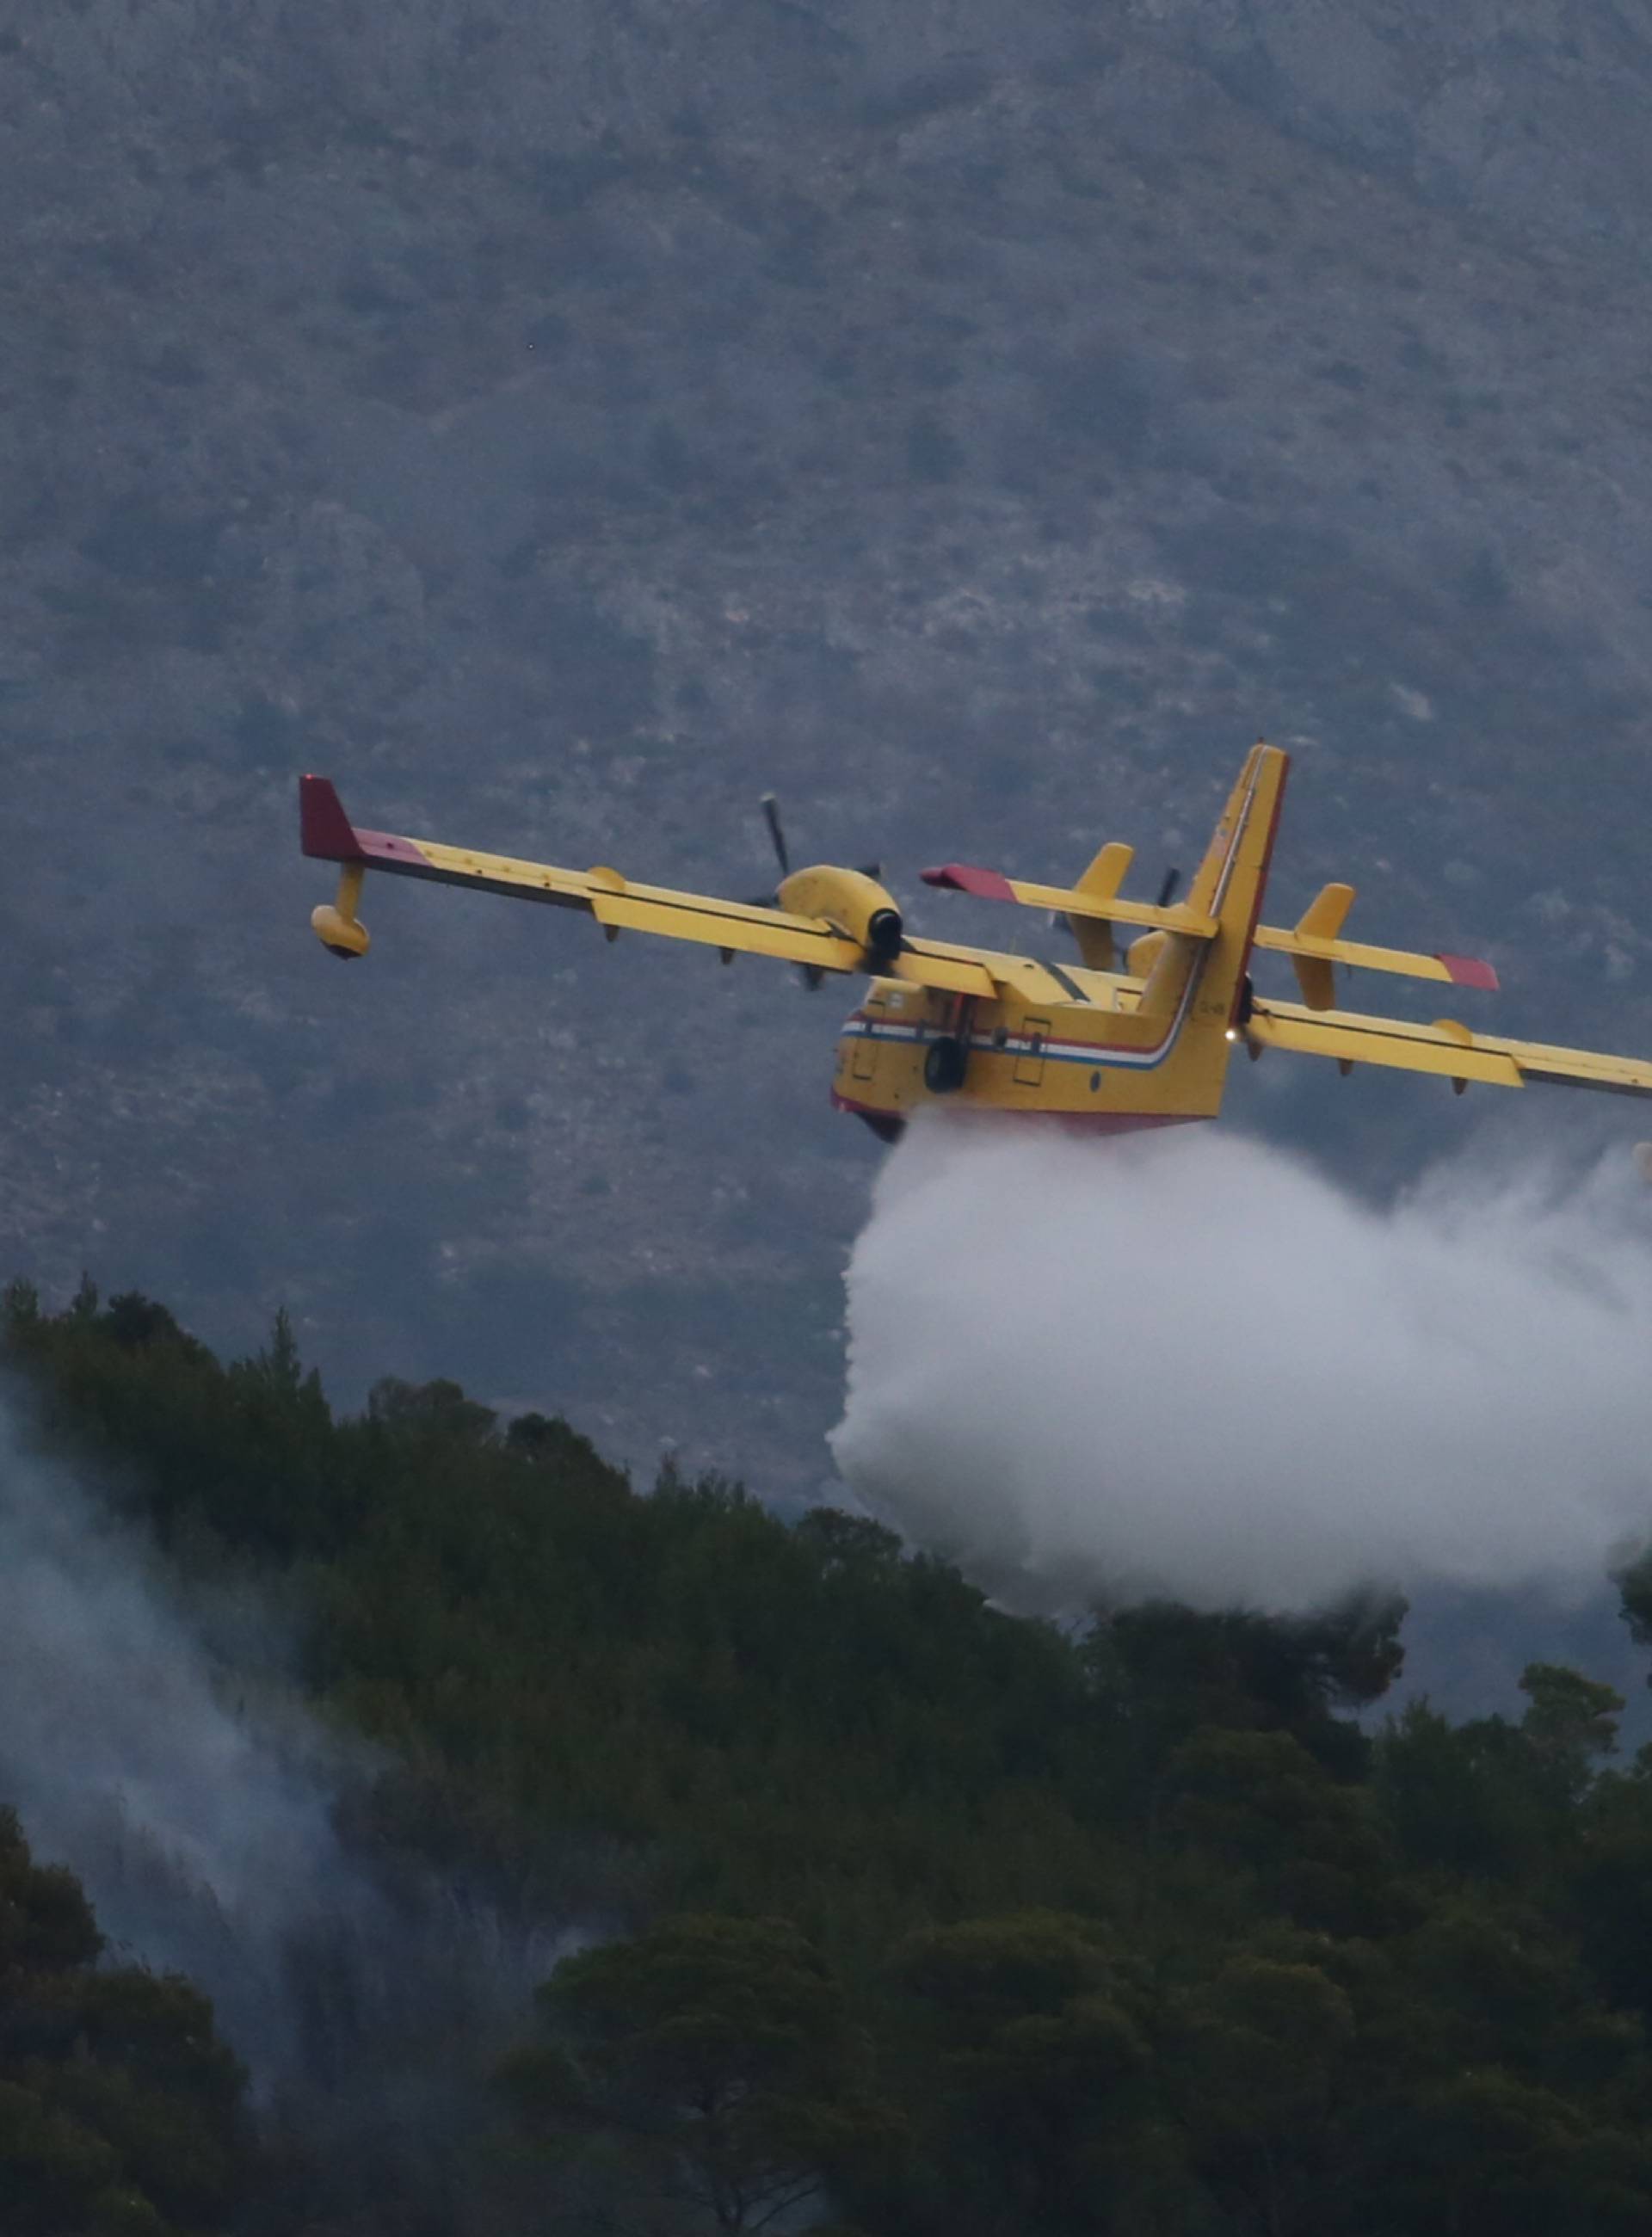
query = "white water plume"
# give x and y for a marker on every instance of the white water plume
(1187, 1363)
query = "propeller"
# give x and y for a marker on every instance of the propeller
(811, 975)
(770, 807)
(771, 817)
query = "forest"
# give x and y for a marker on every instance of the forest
(869, 1908)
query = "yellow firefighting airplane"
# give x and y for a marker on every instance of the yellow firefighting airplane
(1102, 1043)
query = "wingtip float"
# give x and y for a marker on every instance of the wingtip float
(1104, 1043)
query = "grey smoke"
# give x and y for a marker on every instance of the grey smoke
(368, 1995)
(1188, 1363)
(202, 1843)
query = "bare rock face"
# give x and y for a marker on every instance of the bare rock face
(562, 425)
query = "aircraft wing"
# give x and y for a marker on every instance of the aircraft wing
(952, 970)
(620, 904)
(1446, 1048)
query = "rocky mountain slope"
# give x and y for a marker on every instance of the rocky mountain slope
(974, 423)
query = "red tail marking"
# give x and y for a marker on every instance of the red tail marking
(324, 830)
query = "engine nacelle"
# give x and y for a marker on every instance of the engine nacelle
(343, 936)
(856, 904)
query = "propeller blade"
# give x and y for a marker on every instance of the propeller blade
(1167, 886)
(771, 817)
(811, 976)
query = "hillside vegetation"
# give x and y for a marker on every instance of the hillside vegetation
(895, 1912)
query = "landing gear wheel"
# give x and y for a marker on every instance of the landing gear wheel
(945, 1063)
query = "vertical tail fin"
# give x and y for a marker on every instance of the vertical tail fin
(1236, 861)
(1233, 874)
(1228, 885)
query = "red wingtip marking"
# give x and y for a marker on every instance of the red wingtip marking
(1469, 970)
(964, 878)
(324, 830)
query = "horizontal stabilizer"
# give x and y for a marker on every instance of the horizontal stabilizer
(1069, 900)
(1314, 956)
(1313, 944)
(968, 878)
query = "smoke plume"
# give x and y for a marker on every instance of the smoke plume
(1187, 1363)
(148, 1740)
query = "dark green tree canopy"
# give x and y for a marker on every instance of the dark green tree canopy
(119, 2107)
(887, 1911)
